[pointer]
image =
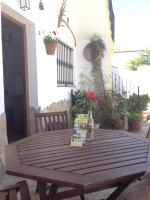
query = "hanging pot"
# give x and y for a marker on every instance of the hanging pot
(91, 52)
(50, 48)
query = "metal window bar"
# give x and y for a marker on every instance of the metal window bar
(64, 64)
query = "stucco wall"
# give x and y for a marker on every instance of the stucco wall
(85, 19)
(83, 23)
(89, 17)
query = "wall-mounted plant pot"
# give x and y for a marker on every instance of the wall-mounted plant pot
(50, 48)
(91, 53)
(134, 125)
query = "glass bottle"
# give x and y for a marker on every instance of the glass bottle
(90, 127)
(125, 123)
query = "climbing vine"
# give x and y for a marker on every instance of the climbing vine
(98, 46)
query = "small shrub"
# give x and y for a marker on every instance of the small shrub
(138, 103)
(135, 117)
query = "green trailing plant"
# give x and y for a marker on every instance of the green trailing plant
(97, 45)
(98, 48)
(139, 60)
(51, 37)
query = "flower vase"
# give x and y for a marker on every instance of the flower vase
(90, 127)
(50, 48)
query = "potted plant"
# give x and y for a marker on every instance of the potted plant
(113, 108)
(134, 121)
(80, 103)
(136, 104)
(50, 42)
(94, 49)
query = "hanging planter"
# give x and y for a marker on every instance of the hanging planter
(50, 48)
(94, 49)
(50, 42)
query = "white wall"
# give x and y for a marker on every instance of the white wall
(32, 65)
(85, 19)
(88, 18)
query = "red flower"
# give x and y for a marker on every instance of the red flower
(91, 95)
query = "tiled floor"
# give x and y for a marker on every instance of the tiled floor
(5, 179)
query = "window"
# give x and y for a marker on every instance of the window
(64, 64)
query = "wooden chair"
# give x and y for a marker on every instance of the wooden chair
(51, 121)
(10, 192)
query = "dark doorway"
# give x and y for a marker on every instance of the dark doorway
(14, 79)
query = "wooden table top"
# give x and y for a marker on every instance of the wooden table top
(112, 157)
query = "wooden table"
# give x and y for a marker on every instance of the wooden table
(113, 159)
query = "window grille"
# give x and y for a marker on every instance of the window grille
(64, 65)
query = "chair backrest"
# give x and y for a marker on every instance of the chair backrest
(148, 133)
(10, 192)
(51, 121)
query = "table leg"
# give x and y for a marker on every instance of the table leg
(82, 197)
(42, 189)
(118, 191)
(52, 192)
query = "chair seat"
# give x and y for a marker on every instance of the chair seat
(10, 192)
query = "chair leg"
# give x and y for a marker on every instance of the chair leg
(82, 197)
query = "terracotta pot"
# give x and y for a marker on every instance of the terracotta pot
(119, 124)
(134, 125)
(90, 53)
(50, 48)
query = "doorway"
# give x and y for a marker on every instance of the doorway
(14, 79)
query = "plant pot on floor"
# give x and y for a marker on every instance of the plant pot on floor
(134, 125)
(134, 121)
(50, 48)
